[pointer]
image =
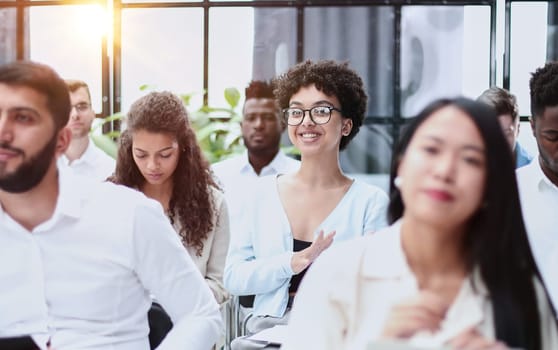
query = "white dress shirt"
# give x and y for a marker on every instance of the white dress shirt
(94, 162)
(237, 177)
(539, 204)
(348, 293)
(83, 278)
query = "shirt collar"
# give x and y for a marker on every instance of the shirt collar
(68, 202)
(88, 155)
(69, 194)
(538, 177)
(273, 167)
(392, 263)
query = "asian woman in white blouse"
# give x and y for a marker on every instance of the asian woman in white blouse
(453, 270)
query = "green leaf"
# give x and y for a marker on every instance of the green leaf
(105, 143)
(232, 96)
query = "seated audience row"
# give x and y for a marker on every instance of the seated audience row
(456, 267)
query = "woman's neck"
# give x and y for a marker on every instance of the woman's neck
(433, 252)
(321, 173)
(161, 193)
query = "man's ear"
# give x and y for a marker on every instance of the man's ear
(64, 137)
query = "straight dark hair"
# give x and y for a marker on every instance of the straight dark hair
(496, 240)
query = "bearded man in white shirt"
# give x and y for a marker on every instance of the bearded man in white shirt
(538, 181)
(81, 258)
(83, 156)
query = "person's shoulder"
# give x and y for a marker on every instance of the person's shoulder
(365, 190)
(226, 164)
(122, 197)
(217, 195)
(528, 173)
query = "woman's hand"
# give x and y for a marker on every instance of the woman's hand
(423, 312)
(472, 339)
(305, 257)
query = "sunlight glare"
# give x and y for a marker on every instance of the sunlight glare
(92, 21)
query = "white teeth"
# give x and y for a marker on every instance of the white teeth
(309, 135)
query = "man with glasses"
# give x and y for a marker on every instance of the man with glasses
(82, 156)
(505, 105)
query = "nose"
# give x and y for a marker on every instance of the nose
(446, 167)
(258, 122)
(73, 113)
(306, 118)
(6, 132)
(152, 164)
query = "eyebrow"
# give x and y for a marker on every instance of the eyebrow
(317, 103)
(465, 147)
(24, 109)
(161, 150)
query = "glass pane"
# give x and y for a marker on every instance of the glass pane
(230, 51)
(257, 47)
(528, 47)
(274, 41)
(247, 0)
(369, 152)
(364, 37)
(445, 51)
(156, 1)
(76, 51)
(7, 35)
(163, 49)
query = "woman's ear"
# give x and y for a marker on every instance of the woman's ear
(347, 127)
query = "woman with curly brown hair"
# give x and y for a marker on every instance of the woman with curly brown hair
(159, 156)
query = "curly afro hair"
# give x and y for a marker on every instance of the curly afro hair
(544, 88)
(333, 79)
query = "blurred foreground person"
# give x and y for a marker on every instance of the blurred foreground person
(453, 269)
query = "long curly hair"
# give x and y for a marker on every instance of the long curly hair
(192, 202)
(333, 79)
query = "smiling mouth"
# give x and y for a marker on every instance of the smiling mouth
(309, 135)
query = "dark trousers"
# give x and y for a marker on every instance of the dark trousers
(159, 324)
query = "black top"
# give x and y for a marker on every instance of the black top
(18, 343)
(298, 245)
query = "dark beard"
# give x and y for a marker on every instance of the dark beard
(31, 172)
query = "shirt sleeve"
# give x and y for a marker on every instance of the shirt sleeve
(218, 253)
(166, 270)
(316, 321)
(376, 216)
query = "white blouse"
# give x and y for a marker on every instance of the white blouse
(348, 293)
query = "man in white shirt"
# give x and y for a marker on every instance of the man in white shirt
(82, 156)
(261, 126)
(538, 181)
(80, 258)
(507, 110)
